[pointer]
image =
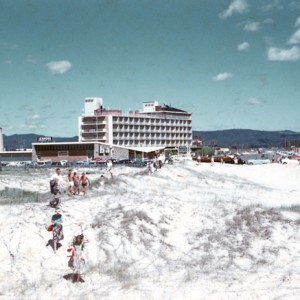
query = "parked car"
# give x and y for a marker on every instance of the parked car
(80, 163)
(288, 161)
(124, 161)
(258, 161)
(226, 159)
(63, 162)
(44, 163)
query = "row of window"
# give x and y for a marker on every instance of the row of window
(64, 147)
(152, 121)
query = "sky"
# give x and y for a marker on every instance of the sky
(188, 231)
(232, 63)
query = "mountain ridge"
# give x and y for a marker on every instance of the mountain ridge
(248, 138)
(240, 138)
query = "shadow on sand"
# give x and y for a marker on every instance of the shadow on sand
(73, 277)
(51, 243)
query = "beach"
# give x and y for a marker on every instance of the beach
(188, 231)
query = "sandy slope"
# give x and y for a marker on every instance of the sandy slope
(187, 232)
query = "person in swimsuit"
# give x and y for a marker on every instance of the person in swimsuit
(76, 180)
(70, 180)
(84, 182)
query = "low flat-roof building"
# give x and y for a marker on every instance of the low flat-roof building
(11, 156)
(75, 151)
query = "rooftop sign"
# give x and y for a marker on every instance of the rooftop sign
(45, 139)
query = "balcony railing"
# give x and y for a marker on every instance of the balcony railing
(94, 123)
(93, 130)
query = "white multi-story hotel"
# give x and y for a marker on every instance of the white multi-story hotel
(157, 125)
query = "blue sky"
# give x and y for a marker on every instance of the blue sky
(232, 63)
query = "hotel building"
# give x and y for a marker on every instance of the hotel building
(155, 126)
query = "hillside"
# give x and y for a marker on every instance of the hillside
(241, 138)
(244, 138)
(17, 141)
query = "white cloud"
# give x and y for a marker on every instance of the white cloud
(297, 23)
(278, 54)
(254, 101)
(275, 5)
(31, 60)
(35, 117)
(8, 62)
(222, 76)
(59, 67)
(9, 46)
(252, 26)
(268, 21)
(236, 6)
(295, 38)
(33, 126)
(243, 46)
(26, 108)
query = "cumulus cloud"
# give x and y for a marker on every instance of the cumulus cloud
(297, 23)
(35, 117)
(254, 101)
(252, 26)
(34, 126)
(59, 67)
(222, 76)
(236, 6)
(275, 5)
(295, 38)
(243, 46)
(278, 54)
(268, 21)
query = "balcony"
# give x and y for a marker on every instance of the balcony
(93, 130)
(93, 138)
(93, 123)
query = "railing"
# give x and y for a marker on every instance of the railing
(93, 123)
(93, 130)
(94, 138)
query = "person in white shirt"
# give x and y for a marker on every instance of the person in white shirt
(57, 179)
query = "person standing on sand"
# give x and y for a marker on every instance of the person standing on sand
(109, 165)
(77, 261)
(58, 180)
(199, 159)
(70, 180)
(76, 180)
(84, 182)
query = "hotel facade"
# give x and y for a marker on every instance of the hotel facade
(155, 126)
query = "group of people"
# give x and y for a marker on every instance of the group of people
(75, 247)
(156, 163)
(76, 183)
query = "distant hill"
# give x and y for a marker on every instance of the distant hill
(246, 138)
(241, 138)
(17, 141)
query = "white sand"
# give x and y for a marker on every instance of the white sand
(187, 232)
